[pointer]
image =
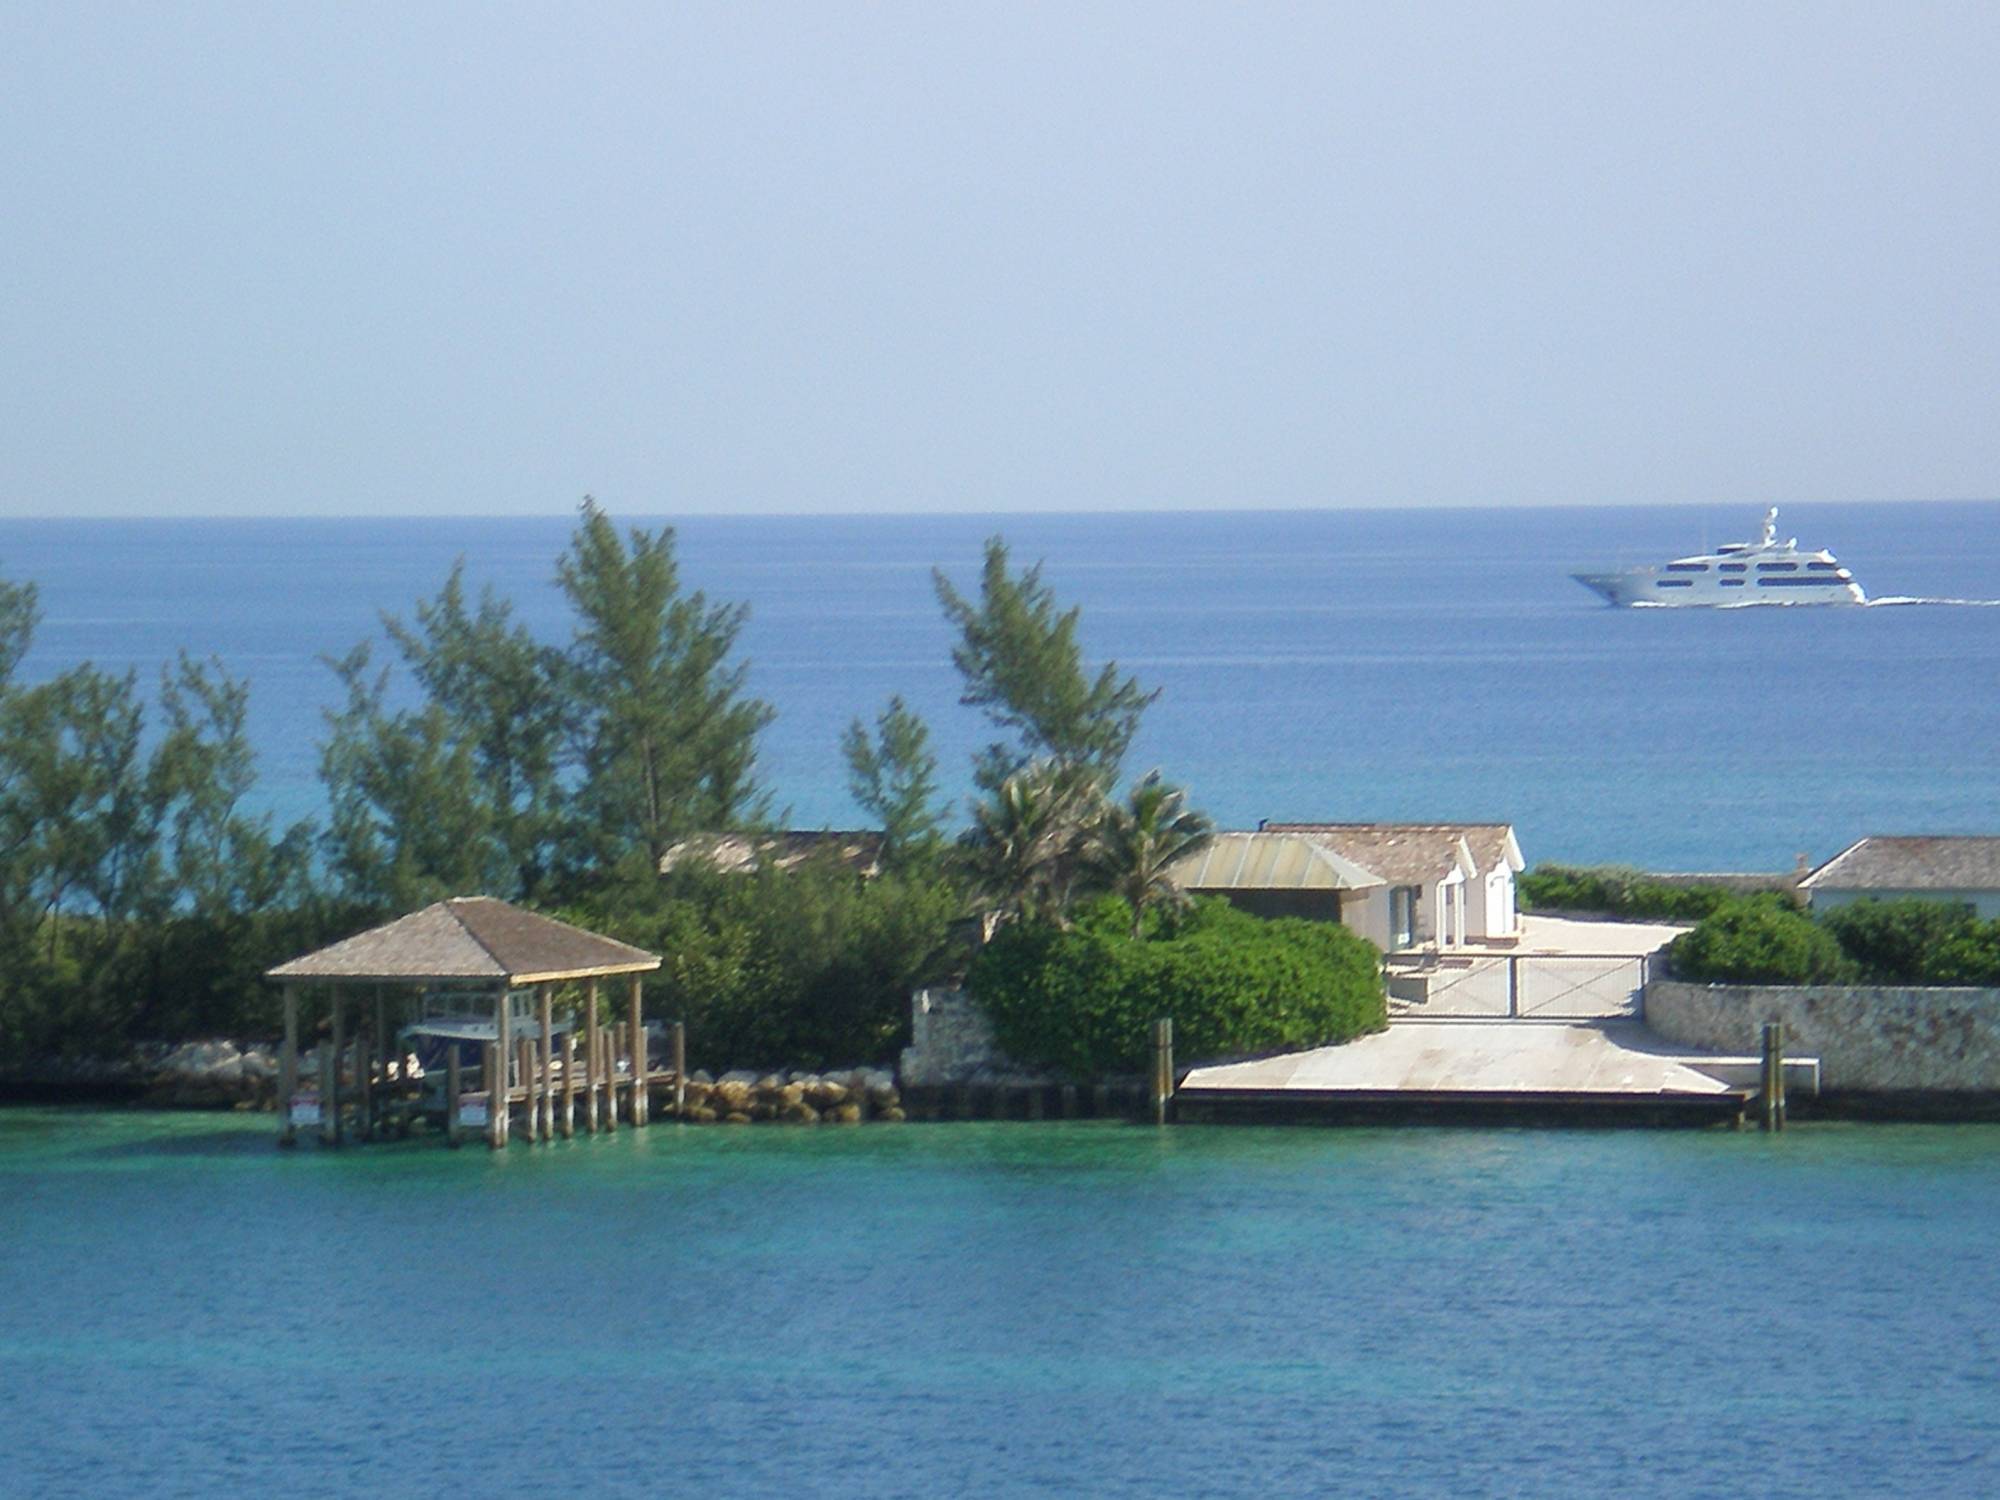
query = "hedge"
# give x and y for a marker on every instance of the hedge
(1081, 1001)
(1619, 891)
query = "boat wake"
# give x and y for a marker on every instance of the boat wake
(1897, 599)
(1887, 601)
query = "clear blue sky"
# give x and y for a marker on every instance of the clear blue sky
(353, 258)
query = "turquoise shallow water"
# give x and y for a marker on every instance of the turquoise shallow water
(1000, 1309)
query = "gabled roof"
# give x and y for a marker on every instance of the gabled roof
(1269, 861)
(470, 937)
(1413, 853)
(1929, 863)
(860, 849)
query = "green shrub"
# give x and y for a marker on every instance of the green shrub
(1082, 1001)
(1752, 942)
(808, 967)
(1968, 955)
(1895, 942)
(1618, 891)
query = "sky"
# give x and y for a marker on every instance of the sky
(483, 259)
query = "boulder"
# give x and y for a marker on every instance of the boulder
(825, 1094)
(883, 1095)
(736, 1117)
(845, 1114)
(700, 1114)
(765, 1109)
(799, 1114)
(732, 1095)
(892, 1115)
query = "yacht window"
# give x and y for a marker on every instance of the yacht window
(1806, 582)
(1732, 583)
(1673, 583)
(1687, 567)
(1735, 567)
(1823, 567)
(1777, 567)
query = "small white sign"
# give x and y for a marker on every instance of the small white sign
(472, 1109)
(305, 1109)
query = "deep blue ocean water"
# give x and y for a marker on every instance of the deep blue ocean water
(1314, 665)
(1000, 1309)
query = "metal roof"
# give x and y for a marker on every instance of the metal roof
(1269, 861)
(470, 937)
(1928, 863)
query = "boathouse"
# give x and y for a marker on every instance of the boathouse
(467, 1013)
(1400, 885)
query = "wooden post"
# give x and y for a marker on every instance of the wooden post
(1513, 984)
(591, 1060)
(364, 1071)
(288, 1069)
(680, 1070)
(382, 1040)
(453, 1085)
(330, 1096)
(1163, 1068)
(1774, 1075)
(610, 1079)
(524, 1065)
(641, 1099)
(545, 1123)
(496, 1070)
(568, 1124)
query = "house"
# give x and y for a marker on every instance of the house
(858, 849)
(1400, 885)
(1929, 868)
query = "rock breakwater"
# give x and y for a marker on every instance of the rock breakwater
(844, 1097)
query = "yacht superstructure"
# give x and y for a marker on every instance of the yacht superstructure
(1766, 571)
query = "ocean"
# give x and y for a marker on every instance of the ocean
(1421, 665)
(1000, 1309)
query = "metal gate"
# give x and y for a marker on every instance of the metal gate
(1521, 986)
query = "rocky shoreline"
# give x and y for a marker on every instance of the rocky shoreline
(224, 1074)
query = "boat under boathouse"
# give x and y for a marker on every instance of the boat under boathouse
(467, 1014)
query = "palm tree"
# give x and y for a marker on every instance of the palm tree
(1139, 842)
(1032, 837)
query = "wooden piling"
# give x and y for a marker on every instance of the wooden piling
(496, 1071)
(591, 1061)
(680, 1070)
(641, 1093)
(329, 1097)
(610, 1079)
(1163, 1068)
(1774, 1075)
(364, 1072)
(453, 1086)
(568, 1120)
(288, 1069)
(546, 1122)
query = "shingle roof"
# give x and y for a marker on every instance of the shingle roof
(470, 937)
(739, 853)
(1412, 853)
(1269, 861)
(1929, 863)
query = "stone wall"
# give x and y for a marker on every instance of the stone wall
(1887, 1039)
(951, 1042)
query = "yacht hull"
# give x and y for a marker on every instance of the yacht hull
(1642, 588)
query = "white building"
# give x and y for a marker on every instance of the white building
(1932, 868)
(1400, 885)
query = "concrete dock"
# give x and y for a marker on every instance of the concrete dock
(1600, 1071)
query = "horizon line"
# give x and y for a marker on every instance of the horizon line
(1100, 510)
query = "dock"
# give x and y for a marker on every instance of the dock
(1612, 1071)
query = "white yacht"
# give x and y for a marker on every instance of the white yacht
(1766, 571)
